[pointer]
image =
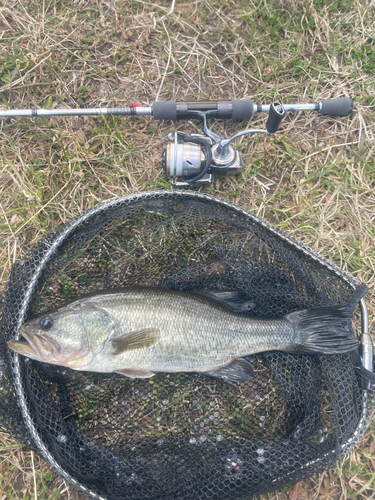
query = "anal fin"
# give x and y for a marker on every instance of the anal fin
(238, 370)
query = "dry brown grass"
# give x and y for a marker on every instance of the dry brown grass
(316, 177)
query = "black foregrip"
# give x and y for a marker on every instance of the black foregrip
(242, 109)
(339, 107)
(276, 114)
(164, 110)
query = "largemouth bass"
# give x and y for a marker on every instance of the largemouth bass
(140, 331)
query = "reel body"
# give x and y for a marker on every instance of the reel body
(187, 160)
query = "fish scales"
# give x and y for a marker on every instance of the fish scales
(195, 333)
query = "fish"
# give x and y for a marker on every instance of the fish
(140, 331)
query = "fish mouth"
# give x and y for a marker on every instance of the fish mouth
(36, 347)
(25, 347)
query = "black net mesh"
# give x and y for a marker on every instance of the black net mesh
(180, 436)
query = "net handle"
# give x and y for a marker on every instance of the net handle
(367, 347)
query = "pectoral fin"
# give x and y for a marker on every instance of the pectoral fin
(135, 373)
(238, 370)
(133, 340)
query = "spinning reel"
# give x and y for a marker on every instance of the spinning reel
(189, 160)
(195, 157)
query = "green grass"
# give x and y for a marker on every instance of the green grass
(54, 54)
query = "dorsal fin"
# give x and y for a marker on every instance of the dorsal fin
(237, 301)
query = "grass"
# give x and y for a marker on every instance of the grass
(314, 178)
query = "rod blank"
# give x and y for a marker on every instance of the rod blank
(76, 112)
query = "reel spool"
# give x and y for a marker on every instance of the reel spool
(183, 160)
(187, 159)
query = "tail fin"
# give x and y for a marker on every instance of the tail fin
(355, 297)
(326, 330)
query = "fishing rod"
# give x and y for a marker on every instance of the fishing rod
(189, 160)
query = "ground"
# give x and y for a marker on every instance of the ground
(314, 178)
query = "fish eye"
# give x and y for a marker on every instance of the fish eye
(46, 323)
